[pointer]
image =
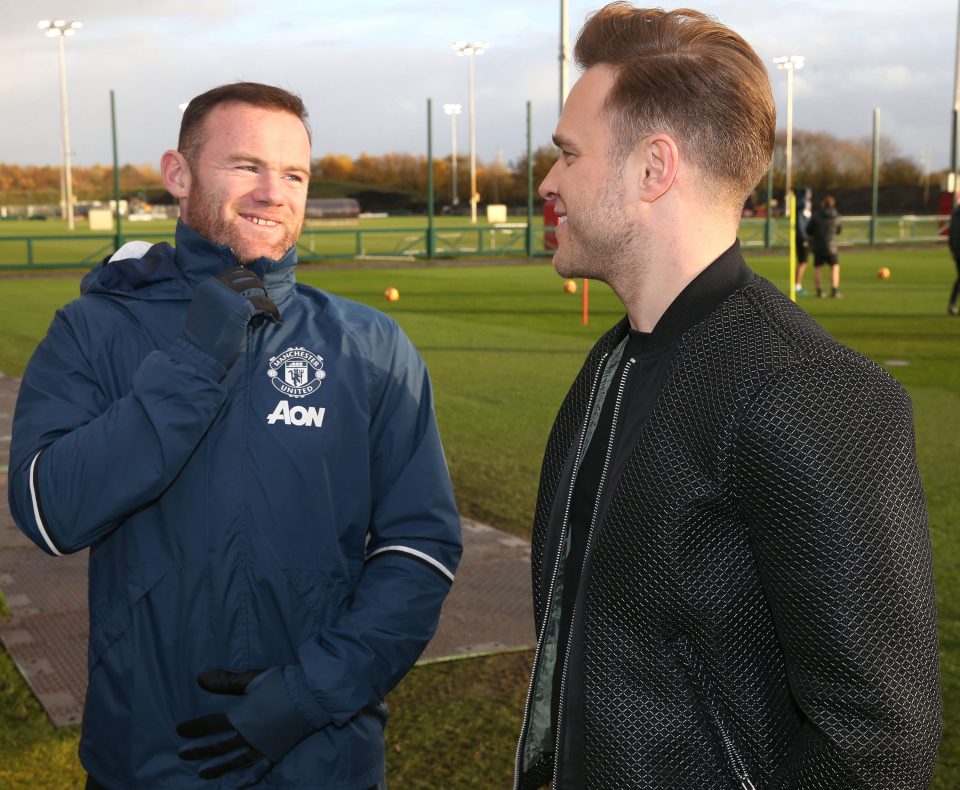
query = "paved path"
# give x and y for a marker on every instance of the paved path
(488, 609)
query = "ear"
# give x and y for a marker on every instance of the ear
(175, 173)
(659, 161)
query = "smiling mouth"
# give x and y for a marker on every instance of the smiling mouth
(261, 221)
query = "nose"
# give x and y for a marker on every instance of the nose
(269, 188)
(548, 187)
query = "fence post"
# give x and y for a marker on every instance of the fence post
(876, 175)
(430, 241)
(529, 236)
(766, 224)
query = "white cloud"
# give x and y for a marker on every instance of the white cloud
(366, 69)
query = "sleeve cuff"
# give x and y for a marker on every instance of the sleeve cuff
(303, 699)
(267, 717)
(184, 351)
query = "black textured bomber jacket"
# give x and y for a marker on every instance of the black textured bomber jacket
(759, 610)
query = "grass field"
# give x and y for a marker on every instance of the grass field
(503, 344)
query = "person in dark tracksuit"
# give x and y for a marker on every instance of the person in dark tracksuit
(953, 306)
(822, 229)
(731, 567)
(802, 238)
(256, 469)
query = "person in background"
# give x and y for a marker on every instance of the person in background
(804, 212)
(822, 229)
(256, 469)
(732, 575)
(954, 239)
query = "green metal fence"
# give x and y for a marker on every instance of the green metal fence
(83, 249)
(908, 229)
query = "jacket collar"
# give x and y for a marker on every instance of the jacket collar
(705, 293)
(198, 259)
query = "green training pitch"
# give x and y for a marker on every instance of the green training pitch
(503, 344)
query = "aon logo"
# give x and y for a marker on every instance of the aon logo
(298, 415)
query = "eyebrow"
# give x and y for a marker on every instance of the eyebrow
(562, 142)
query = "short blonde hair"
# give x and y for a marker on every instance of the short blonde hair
(685, 74)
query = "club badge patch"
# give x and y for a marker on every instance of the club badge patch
(296, 372)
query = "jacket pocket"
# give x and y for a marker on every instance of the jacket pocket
(288, 607)
(110, 617)
(705, 694)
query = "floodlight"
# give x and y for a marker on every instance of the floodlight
(59, 29)
(469, 50)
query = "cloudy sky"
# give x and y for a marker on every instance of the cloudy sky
(365, 69)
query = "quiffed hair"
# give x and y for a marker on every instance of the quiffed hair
(252, 93)
(683, 73)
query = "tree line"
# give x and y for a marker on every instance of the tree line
(820, 160)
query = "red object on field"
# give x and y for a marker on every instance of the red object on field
(550, 222)
(946, 209)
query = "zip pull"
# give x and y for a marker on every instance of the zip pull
(746, 784)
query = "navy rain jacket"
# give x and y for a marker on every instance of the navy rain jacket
(295, 511)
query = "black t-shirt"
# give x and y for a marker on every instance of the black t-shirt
(639, 378)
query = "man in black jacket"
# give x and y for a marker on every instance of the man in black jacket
(731, 560)
(952, 305)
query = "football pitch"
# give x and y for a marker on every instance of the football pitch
(503, 343)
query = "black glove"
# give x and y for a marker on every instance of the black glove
(221, 309)
(258, 731)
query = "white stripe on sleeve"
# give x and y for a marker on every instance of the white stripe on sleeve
(36, 508)
(419, 554)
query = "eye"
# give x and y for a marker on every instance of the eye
(298, 179)
(247, 168)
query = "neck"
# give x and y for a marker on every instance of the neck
(667, 259)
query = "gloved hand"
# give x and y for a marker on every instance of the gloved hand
(261, 728)
(221, 309)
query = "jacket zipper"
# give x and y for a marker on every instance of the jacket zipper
(586, 552)
(553, 580)
(734, 760)
(739, 767)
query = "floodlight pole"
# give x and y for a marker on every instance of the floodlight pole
(790, 63)
(60, 29)
(470, 51)
(564, 54)
(453, 110)
(118, 241)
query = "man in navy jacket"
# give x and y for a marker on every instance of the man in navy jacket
(256, 469)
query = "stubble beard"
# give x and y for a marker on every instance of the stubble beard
(598, 240)
(205, 218)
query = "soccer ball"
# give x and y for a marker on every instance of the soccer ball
(883, 273)
(570, 286)
(392, 294)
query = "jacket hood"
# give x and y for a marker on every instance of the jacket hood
(166, 272)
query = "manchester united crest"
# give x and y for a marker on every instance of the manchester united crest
(296, 372)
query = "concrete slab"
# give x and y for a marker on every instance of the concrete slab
(489, 608)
